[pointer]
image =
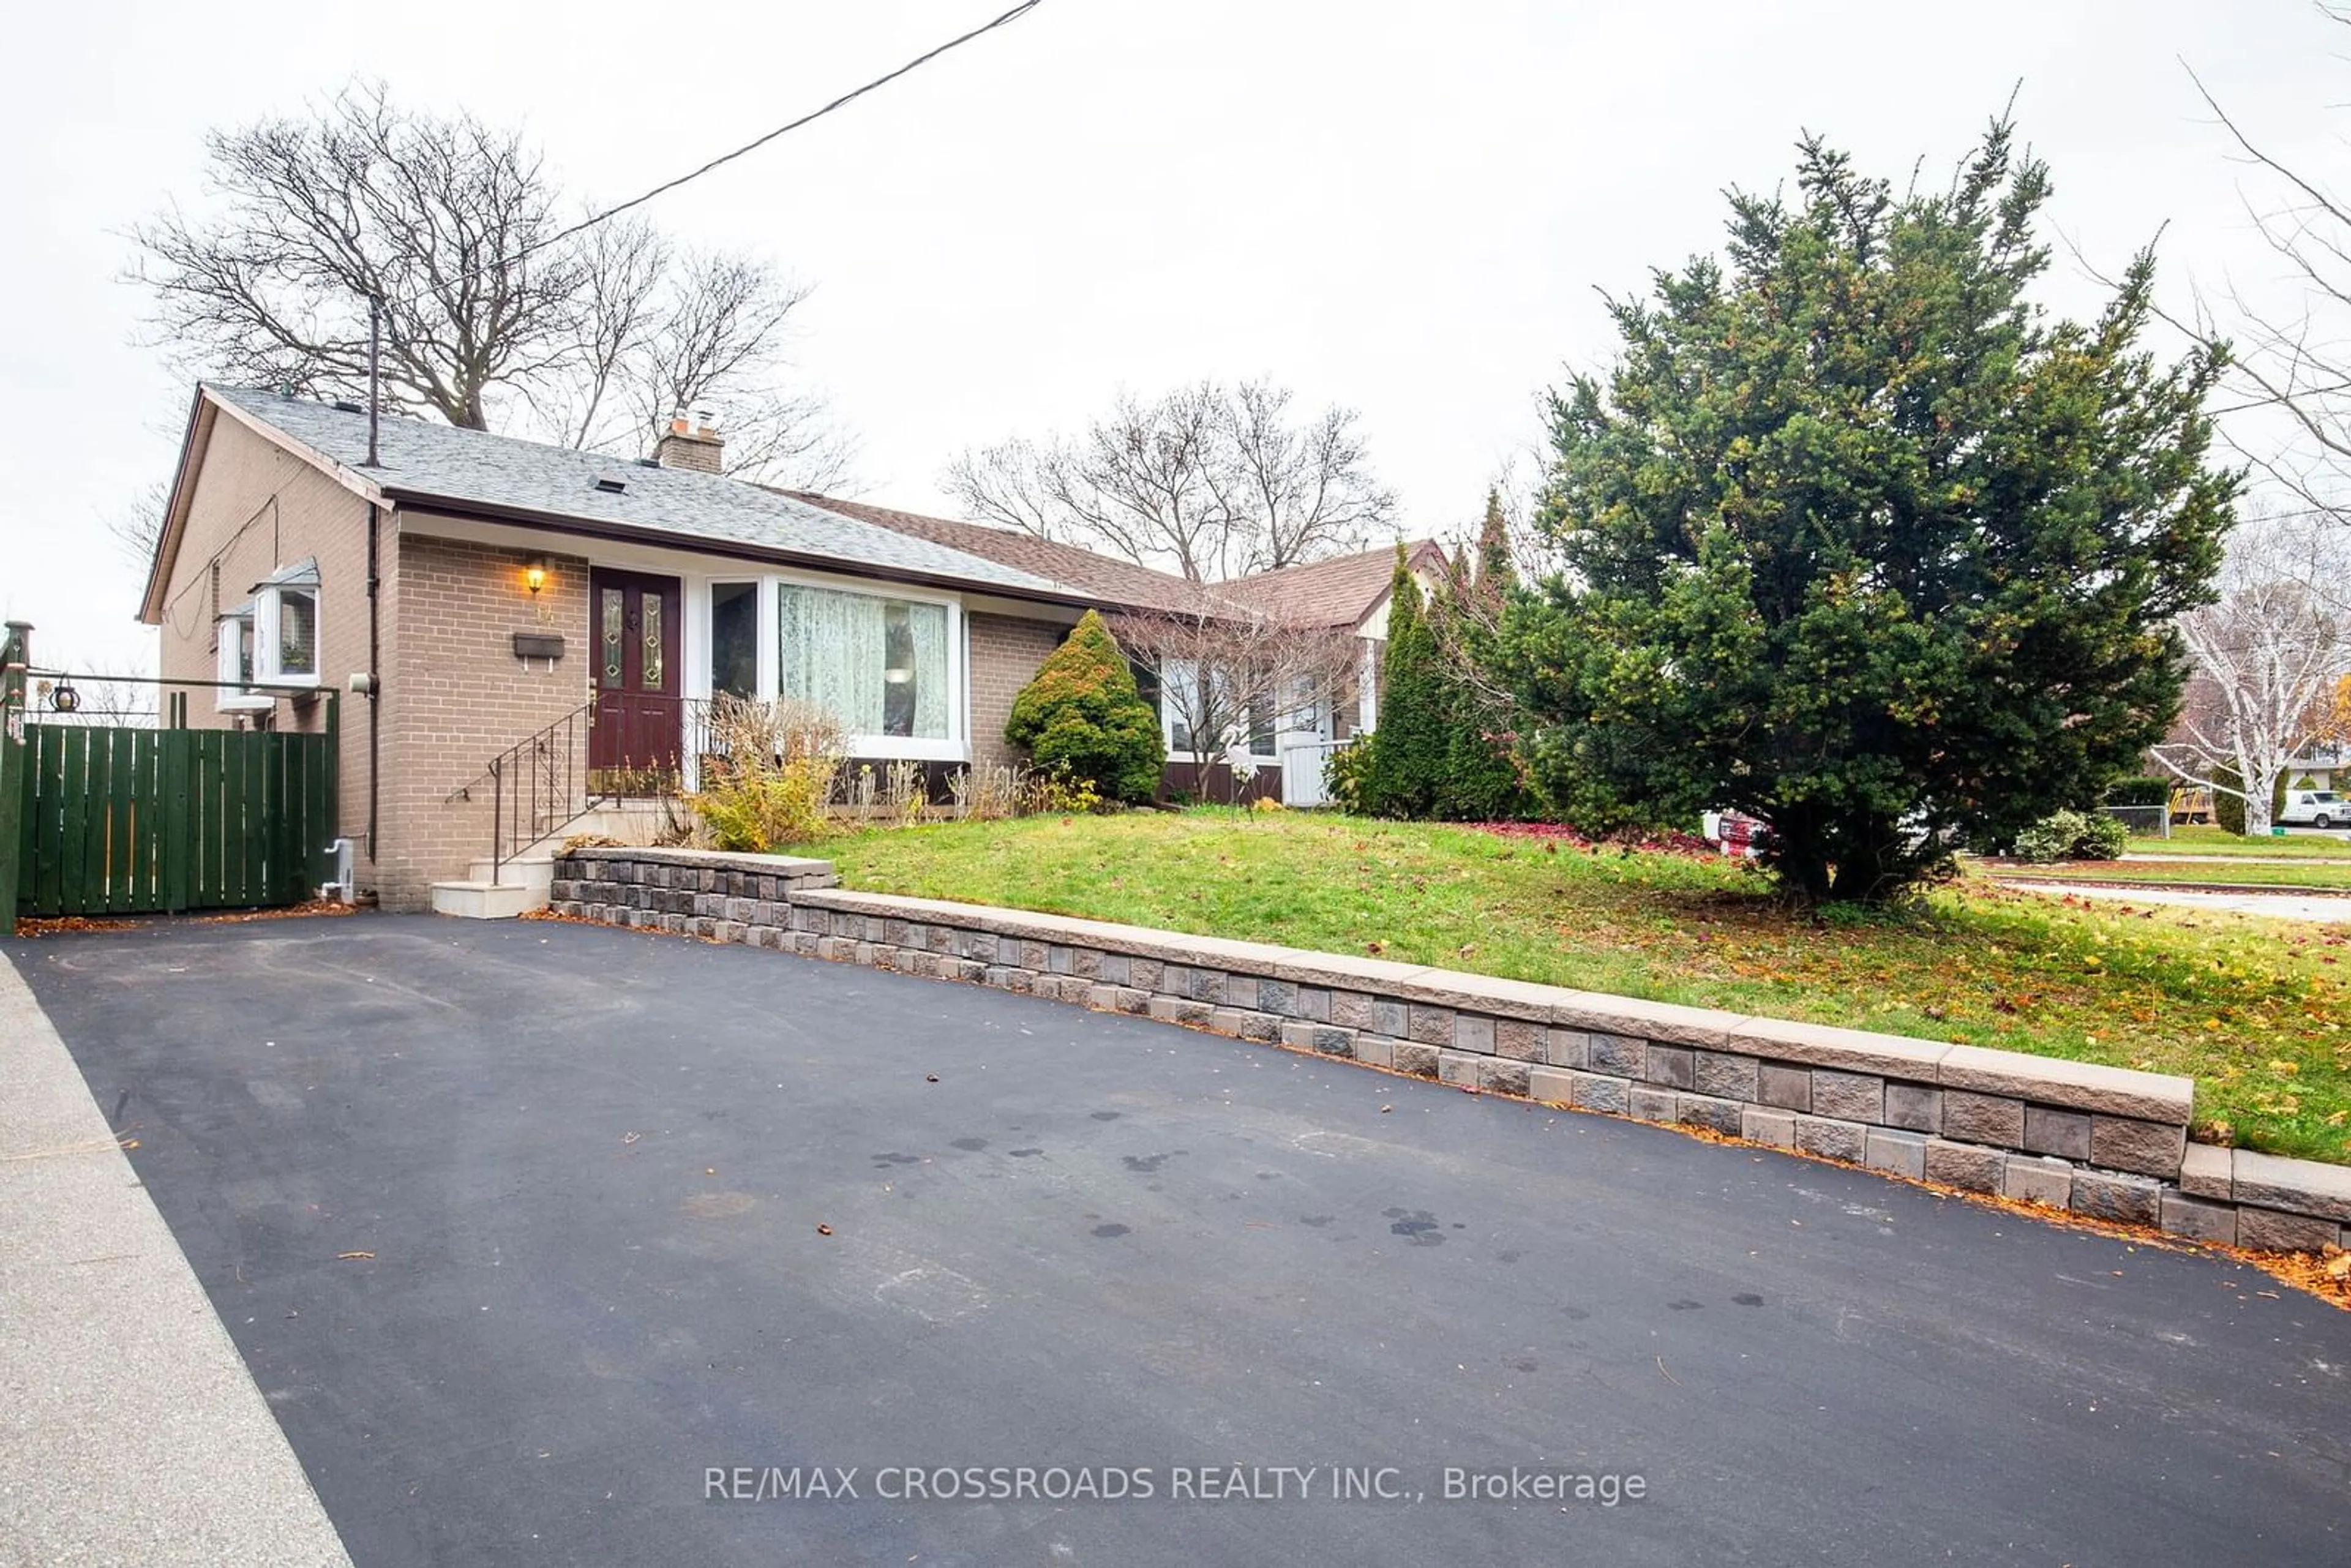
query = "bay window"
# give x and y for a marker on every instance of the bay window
(232, 644)
(285, 628)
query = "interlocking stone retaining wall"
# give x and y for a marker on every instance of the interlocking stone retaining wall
(2103, 1142)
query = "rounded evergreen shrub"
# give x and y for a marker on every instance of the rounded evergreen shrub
(2104, 837)
(1081, 716)
(2072, 836)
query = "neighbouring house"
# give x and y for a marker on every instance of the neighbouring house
(1343, 598)
(2321, 765)
(525, 635)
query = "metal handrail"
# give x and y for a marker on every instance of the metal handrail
(545, 781)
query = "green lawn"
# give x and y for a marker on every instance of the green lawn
(2193, 874)
(2257, 1010)
(2188, 839)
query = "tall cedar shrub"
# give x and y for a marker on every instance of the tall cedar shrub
(1496, 573)
(1082, 711)
(1858, 542)
(1410, 742)
(1481, 781)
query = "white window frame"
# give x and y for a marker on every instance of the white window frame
(1241, 732)
(956, 745)
(267, 610)
(233, 634)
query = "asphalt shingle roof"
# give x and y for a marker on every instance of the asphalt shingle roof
(1104, 579)
(424, 462)
(1325, 593)
(1319, 594)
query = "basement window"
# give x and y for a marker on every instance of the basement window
(285, 627)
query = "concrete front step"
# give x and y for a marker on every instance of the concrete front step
(481, 900)
(629, 822)
(535, 870)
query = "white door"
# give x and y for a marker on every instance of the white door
(1303, 752)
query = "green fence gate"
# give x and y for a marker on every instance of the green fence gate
(115, 819)
(122, 821)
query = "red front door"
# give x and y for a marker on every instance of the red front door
(632, 626)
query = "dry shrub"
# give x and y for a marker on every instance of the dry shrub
(768, 772)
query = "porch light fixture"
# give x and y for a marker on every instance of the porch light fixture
(534, 576)
(63, 698)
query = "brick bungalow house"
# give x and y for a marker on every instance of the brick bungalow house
(522, 630)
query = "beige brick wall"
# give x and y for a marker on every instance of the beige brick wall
(1005, 652)
(456, 696)
(256, 508)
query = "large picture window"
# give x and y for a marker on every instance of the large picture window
(879, 665)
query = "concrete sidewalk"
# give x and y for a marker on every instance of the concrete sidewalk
(2286, 903)
(129, 1430)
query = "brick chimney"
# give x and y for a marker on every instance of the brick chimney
(691, 442)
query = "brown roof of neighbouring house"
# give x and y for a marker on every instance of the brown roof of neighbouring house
(1325, 593)
(1104, 578)
(1333, 592)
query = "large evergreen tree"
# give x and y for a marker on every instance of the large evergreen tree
(1860, 543)
(1409, 744)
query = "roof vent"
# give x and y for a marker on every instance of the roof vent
(345, 405)
(611, 483)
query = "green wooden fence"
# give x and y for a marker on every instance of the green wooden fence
(122, 821)
(14, 655)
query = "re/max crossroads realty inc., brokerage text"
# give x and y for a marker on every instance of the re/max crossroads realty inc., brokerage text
(1174, 1483)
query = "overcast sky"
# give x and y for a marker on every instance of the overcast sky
(1404, 208)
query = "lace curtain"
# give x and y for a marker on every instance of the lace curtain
(928, 624)
(833, 650)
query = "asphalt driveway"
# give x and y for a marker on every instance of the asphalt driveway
(518, 1228)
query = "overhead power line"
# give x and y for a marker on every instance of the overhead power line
(377, 323)
(724, 159)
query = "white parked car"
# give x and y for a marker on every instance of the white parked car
(2315, 809)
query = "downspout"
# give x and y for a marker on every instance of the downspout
(374, 576)
(375, 680)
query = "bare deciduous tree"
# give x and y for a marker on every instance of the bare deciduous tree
(139, 524)
(1294, 492)
(1208, 481)
(2266, 659)
(1227, 672)
(495, 308)
(2290, 340)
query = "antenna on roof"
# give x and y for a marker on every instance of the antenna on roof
(375, 397)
